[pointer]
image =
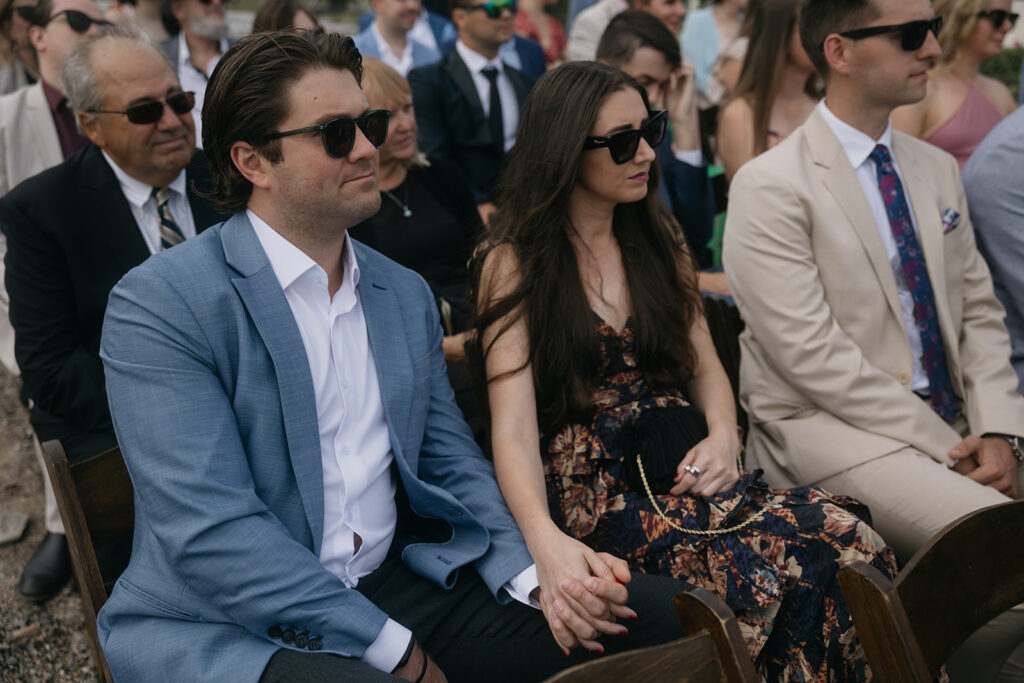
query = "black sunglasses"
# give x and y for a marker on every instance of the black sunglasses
(80, 22)
(913, 33)
(623, 146)
(998, 16)
(495, 8)
(339, 134)
(153, 110)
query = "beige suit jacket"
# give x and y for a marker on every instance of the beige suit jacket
(589, 26)
(826, 361)
(28, 145)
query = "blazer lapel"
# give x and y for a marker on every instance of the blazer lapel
(390, 353)
(261, 292)
(103, 201)
(459, 73)
(841, 180)
(37, 111)
(520, 83)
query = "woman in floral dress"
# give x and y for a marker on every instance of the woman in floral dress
(589, 318)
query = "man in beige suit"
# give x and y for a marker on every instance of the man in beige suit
(875, 358)
(38, 131)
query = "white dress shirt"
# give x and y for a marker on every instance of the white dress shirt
(858, 147)
(401, 63)
(476, 63)
(194, 80)
(355, 448)
(143, 205)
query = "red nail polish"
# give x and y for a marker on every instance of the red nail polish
(624, 632)
(599, 650)
(634, 617)
(565, 652)
(619, 582)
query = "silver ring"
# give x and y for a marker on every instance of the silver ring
(695, 471)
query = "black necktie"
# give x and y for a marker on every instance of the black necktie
(494, 120)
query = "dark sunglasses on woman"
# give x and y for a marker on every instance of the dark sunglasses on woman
(80, 22)
(623, 146)
(495, 8)
(339, 134)
(152, 111)
(912, 34)
(998, 16)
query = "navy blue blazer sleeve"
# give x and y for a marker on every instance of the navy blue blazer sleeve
(428, 96)
(690, 196)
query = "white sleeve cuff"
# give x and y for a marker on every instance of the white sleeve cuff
(523, 584)
(385, 652)
(691, 157)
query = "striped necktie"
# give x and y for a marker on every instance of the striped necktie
(933, 357)
(170, 233)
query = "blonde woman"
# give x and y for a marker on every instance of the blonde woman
(962, 105)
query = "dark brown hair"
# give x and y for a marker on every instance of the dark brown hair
(821, 18)
(278, 15)
(533, 218)
(246, 99)
(631, 30)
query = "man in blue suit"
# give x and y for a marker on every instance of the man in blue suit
(389, 36)
(309, 503)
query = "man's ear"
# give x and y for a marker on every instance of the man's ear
(37, 38)
(250, 163)
(836, 54)
(91, 129)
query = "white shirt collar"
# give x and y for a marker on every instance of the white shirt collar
(475, 61)
(290, 263)
(185, 57)
(856, 144)
(137, 192)
(384, 50)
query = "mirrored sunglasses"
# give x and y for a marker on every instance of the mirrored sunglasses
(80, 22)
(339, 134)
(153, 110)
(998, 16)
(495, 8)
(912, 34)
(623, 146)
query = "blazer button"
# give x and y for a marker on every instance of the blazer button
(314, 644)
(274, 631)
(903, 377)
(288, 635)
(301, 639)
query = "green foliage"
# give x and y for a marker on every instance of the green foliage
(1006, 67)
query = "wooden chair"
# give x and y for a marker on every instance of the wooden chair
(969, 573)
(96, 503)
(713, 652)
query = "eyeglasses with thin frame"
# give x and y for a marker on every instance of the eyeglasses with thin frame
(80, 22)
(152, 111)
(339, 134)
(912, 34)
(998, 16)
(494, 8)
(623, 146)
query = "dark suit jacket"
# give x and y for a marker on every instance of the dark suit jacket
(451, 120)
(71, 236)
(687, 192)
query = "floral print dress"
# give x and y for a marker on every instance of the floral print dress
(777, 574)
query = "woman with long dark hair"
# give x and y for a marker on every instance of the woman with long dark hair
(613, 424)
(777, 90)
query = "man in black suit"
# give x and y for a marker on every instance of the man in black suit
(468, 104)
(74, 230)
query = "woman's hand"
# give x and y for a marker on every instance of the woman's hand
(715, 457)
(581, 592)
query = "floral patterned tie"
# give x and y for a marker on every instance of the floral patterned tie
(943, 400)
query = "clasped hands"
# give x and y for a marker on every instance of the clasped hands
(988, 461)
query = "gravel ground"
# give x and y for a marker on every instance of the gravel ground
(37, 643)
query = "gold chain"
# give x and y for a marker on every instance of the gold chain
(698, 532)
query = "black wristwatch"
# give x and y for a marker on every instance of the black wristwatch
(1016, 444)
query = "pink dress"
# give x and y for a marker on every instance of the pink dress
(527, 29)
(965, 130)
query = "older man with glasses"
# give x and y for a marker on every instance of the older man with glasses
(37, 131)
(468, 104)
(75, 229)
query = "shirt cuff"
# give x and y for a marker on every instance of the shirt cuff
(385, 652)
(691, 157)
(523, 584)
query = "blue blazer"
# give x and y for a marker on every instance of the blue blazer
(421, 54)
(213, 403)
(442, 28)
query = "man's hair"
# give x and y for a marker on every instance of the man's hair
(78, 78)
(168, 20)
(40, 14)
(632, 29)
(246, 99)
(821, 18)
